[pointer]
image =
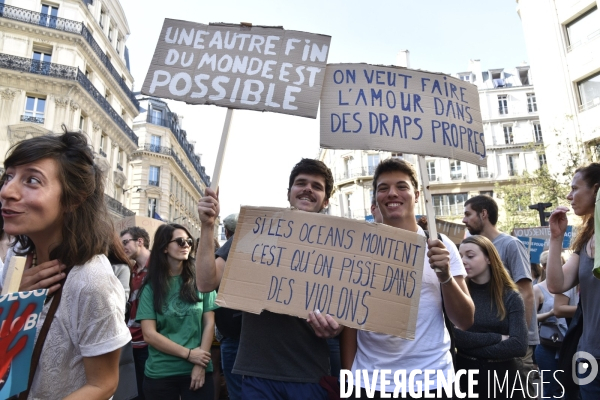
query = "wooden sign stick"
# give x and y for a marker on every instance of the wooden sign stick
(14, 275)
(426, 193)
(214, 183)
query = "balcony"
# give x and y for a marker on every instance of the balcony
(35, 120)
(102, 153)
(152, 183)
(119, 167)
(483, 174)
(70, 73)
(355, 173)
(182, 140)
(116, 207)
(67, 25)
(457, 176)
(513, 172)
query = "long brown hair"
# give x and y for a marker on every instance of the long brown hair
(500, 280)
(591, 176)
(87, 230)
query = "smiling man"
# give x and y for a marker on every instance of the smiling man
(280, 356)
(396, 192)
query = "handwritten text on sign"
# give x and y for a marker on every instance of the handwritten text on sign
(397, 109)
(367, 276)
(255, 68)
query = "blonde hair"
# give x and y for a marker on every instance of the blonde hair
(500, 280)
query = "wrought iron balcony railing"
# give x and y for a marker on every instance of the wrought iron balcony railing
(157, 149)
(119, 167)
(169, 152)
(65, 72)
(457, 176)
(117, 207)
(29, 118)
(102, 153)
(483, 174)
(153, 183)
(183, 142)
(67, 25)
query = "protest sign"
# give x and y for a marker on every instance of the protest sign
(370, 107)
(367, 276)
(19, 313)
(455, 232)
(149, 224)
(543, 232)
(239, 66)
(534, 246)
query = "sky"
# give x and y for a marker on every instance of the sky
(441, 36)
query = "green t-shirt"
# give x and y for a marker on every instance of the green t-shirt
(180, 322)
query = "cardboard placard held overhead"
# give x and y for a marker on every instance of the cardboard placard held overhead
(369, 107)
(238, 66)
(367, 276)
(455, 232)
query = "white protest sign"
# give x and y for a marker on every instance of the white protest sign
(239, 66)
(367, 276)
(371, 107)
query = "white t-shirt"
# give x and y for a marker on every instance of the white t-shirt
(429, 350)
(90, 321)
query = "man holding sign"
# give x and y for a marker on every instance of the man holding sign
(396, 190)
(279, 355)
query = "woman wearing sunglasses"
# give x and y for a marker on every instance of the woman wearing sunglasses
(177, 320)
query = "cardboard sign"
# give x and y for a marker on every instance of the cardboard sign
(249, 67)
(369, 107)
(19, 313)
(535, 247)
(367, 276)
(455, 232)
(543, 232)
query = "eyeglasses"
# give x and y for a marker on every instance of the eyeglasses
(125, 241)
(182, 242)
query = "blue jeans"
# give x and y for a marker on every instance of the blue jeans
(547, 361)
(261, 389)
(591, 391)
(229, 349)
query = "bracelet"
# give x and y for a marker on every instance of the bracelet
(189, 353)
(446, 281)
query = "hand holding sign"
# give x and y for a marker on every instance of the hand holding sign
(439, 259)
(324, 325)
(208, 207)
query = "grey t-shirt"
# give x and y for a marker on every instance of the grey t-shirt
(589, 296)
(515, 259)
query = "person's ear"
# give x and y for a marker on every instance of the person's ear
(417, 193)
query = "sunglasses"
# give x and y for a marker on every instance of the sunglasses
(182, 242)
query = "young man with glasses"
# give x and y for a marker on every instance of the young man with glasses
(136, 242)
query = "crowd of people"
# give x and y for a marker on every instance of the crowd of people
(128, 319)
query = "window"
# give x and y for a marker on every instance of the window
(103, 144)
(431, 171)
(34, 109)
(110, 33)
(466, 78)
(542, 159)
(513, 164)
(349, 205)
(455, 169)
(449, 204)
(153, 176)
(503, 104)
(155, 142)
(120, 160)
(583, 29)
(41, 62)
(531, 103)
(399, 156)
(102, 18)
(373, 162)
(118, 45)
(482, 172)
(152, 207)
(524, 76)
(48, 15)
(82, 121)
(348, 167)
(537, 132)
(487, 193)
(156, 117)
(508, 134)
(107, 95)
(88, 73)
(589, 92)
